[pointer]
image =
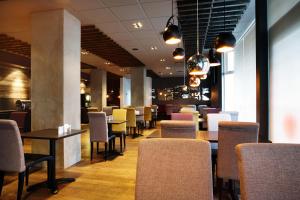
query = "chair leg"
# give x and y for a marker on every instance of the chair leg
(20, 185)
(219, 185)
(124, 141)
(105, 151)
(231, 189)
(97, 147)
(92, 151)
(121, 143)
(1, 181)
(27, 176)
(114, 144)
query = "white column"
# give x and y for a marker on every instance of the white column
(148, 91)
(55, 80)
(125, 92)
(98, 88)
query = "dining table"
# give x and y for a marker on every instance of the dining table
(52, 136)
(110, 122)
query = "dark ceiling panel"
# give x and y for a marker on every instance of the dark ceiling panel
(12, 45)
(211, 21)
(96, 42)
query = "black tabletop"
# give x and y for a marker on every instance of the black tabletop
(50, 134)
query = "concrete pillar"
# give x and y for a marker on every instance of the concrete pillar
(148, 91)
(138, 76)
(55, 80)
(98, 88)
(125, 91)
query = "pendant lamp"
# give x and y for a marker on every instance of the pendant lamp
(213, 60)
(172, 33)
(198, 64)
(225, 41)
(184, 87)
(178, 53)
(194, 81)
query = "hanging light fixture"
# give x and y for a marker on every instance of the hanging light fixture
(225, 41)
(198, 64)
(172, 33)
(194, 81)
(203, 77)
(184, 87)
(213, 60)
(178, 53)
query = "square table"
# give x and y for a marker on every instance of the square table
(52, 136)
(110, 122)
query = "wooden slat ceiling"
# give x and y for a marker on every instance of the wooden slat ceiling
(12, 45)
(94, 41)
(211, 21)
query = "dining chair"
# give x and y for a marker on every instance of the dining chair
(233, 114)
(213, 120)
(231, 134)
(182, 116)
(178, 129)
(269, 171)
(99, 132)
(119, 130)
(154, 108)
(131, 120)
(108, 110)
(166, 173)
(140, 118)
(12, 155)
(148, 116)
(20, 118)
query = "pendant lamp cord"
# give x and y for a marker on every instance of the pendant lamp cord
(197, 30)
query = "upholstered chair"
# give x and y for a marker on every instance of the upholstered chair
(108, 110)
(178, 129)
(140, 118)
(214, 119)
(12, 155)
(182, 116)
(99, 132)
(269, 171)
(20, 118)
(233, 114)
(154, 109)
(166, 173)
(206, 111)
(131, 120)
(119, 130)
(231, 134)
(148, 115)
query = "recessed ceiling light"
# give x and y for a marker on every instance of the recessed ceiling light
(107, 63)
(168, 68)
(171, 73)
(84, 52)
(153, 48)
(162, 60)
(137, 25)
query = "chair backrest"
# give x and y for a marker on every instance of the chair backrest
(98, 127)
(178, 129)
(11, 148)
(231, 134)
(233, 114)
(108, 110)
(119, 114)
(269, 171)
(182, 116)
(173, 169)
(131, 118)
(214, 119)
(20, 118)
(147, 113)
(188, 109)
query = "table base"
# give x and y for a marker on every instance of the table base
(45, 184)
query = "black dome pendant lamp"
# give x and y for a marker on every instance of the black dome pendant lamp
(225, 41)
(178, 53)
(172, 33)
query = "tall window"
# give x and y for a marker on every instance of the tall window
(228, 82)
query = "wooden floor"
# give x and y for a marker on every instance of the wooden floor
(110, 180)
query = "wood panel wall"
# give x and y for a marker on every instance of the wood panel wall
(14, 85)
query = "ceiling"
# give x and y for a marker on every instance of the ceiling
(115, 18)
(211, 20)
